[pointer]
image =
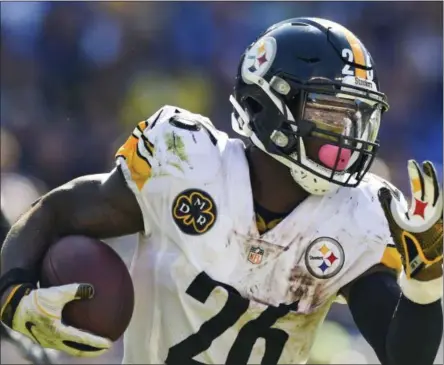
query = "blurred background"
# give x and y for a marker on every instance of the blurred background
(77, 77)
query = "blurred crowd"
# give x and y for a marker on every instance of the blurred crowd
(76, 78)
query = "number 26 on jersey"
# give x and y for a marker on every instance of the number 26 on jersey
(235, 306)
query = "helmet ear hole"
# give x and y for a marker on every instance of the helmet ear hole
(253, 106)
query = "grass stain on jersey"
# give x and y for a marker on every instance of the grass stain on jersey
(175, 145)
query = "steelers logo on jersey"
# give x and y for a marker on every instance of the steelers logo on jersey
(194, 211)
(324, 257)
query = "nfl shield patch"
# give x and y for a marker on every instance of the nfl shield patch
(255, 255)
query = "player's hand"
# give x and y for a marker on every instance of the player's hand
(37, 314)
(418, 232)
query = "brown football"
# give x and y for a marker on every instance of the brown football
(80, 259)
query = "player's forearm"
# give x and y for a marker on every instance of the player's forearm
(400, 331)
(99, 206)
(54, 215)
(28, 238)
(415, 333)
(27, 241)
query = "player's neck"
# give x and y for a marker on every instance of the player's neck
(272, 184)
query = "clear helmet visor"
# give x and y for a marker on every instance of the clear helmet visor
(348, 122)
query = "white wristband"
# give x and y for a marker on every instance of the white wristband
(421, 292)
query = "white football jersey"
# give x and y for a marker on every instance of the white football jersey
(209, 288)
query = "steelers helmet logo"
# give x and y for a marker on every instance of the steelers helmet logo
(194, 211)
(324, 257)
(259, 58)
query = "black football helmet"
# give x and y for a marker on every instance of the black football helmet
(311, 79)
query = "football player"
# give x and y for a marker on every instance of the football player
(244, 248)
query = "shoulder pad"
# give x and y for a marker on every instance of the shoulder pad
(186, 145)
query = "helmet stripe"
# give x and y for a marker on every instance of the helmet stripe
(358, 50)
(358, 53)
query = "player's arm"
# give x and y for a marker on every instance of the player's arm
(399, 330)
(403, 320)
(98, 206)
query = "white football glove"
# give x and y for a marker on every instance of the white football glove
(418, 232)
(38, 316)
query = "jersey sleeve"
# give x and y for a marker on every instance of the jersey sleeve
(172, 145)
(135, 158)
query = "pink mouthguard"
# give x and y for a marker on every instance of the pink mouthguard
(328, 153)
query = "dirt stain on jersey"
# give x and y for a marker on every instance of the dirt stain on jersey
(174, 144)
(296, 241)
(302, 328)
(304, 287)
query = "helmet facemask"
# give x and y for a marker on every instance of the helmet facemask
(341, 122)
